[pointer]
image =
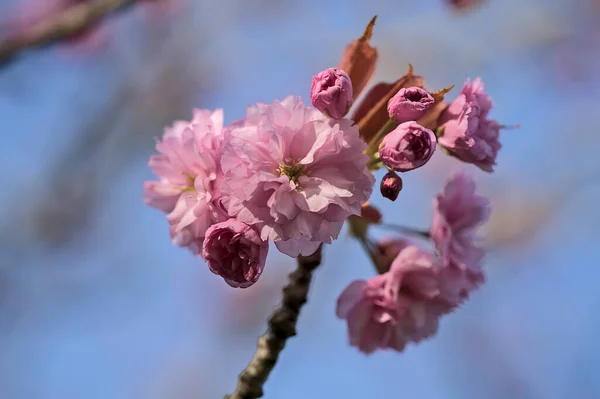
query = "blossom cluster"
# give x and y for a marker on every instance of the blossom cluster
(286, 173)
(292, 174)
(405, 303)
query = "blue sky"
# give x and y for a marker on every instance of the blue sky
(119, 312)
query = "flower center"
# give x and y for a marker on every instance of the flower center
(190, 183)
(292, 170)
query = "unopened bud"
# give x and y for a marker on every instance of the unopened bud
(391, 185)
(409, 104)
(331, 92)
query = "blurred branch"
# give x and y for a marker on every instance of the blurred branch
(519, 217)
(282, 325)
(64, 26)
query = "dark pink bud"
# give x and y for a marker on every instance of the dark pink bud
(235, 251)
(409, 104)
(331, 92)
(391, 185)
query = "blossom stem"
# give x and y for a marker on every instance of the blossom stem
(281, 327)
(63, 26)
(385, 129)
(374, 163)
(406, 230)
(367, 247)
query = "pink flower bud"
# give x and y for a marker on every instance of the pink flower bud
(391, 185)
(235, 251)
(331, 92)
(409, 104)
(407, 147)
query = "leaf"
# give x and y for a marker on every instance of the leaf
(359, 60)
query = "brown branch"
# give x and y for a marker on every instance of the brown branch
(282, 325)
(63, 26)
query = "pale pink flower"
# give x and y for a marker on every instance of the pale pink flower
(456, 284)
(188, 169)
(235, 251)
(458, 212)
(397, 307)
(295, 174)
(468, 133)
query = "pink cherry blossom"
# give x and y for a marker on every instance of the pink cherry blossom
(397, 307)
(468, 133)
(295, 174)
(458, 212)
(188, 169)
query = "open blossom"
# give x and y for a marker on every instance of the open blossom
(295, 174)
(405, 303)
(409, 104)
(188, 169)
(455, 284)
(235, 251)
(397, 307)
(407, 147)
(468, 132)
(331, 92)
(458, 212)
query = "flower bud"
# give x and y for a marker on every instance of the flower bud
(391, 185)
(409, 104)
(331, 92)
(371, 113)
(407, 147)
(235, 251)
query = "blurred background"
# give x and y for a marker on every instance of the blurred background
(95, 300)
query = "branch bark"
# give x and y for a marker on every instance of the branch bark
(60, 27)
(281, 327)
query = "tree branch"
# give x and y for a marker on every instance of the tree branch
(60, 27)
(282, 325)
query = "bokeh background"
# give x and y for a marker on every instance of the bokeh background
(97, 303)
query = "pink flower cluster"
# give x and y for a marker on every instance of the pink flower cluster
(405, 303)
(285, 173)
(292, 174)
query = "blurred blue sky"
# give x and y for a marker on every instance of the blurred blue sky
(117, 311)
